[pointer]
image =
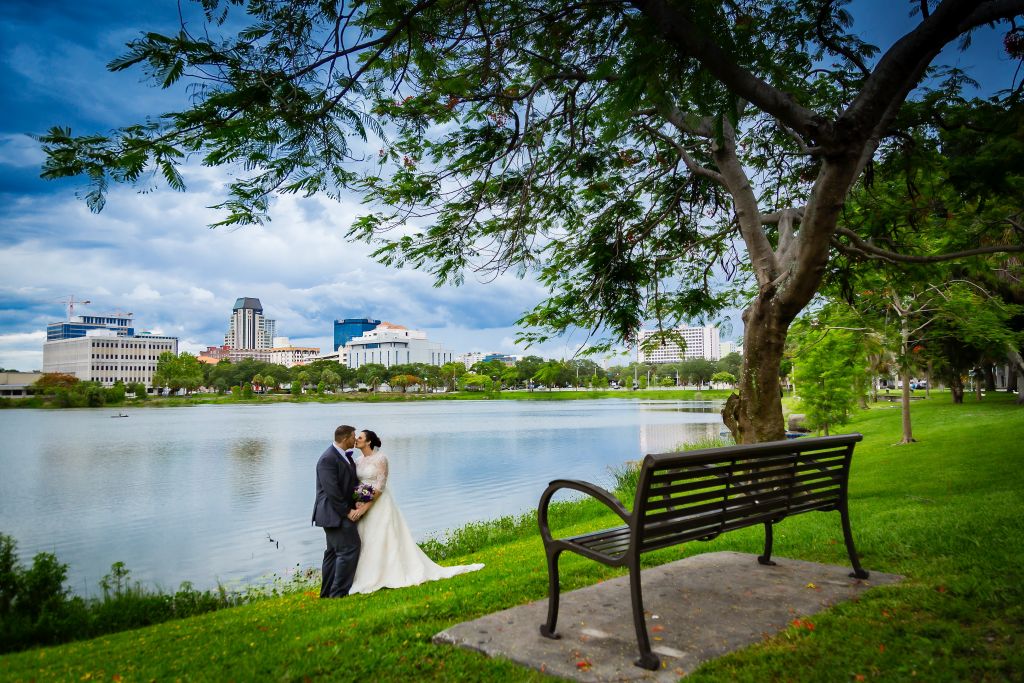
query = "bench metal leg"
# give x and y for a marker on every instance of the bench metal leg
(766, 558)
(548, 629)
(858, 572)
(648, 660)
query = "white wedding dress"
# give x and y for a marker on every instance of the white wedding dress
(390, 557)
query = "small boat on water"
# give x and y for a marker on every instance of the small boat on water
(120, 415)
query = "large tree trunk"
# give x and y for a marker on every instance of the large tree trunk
(990, 376)
(1017, 366)
(928, 381)
(908, 433)
(956, 387)
(755, 414)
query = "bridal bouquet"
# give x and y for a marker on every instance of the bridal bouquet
(363, 493)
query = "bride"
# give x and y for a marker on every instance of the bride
(390, 557)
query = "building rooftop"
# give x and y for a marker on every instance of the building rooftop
(248, 302)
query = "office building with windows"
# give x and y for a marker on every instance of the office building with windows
(470, 358)
(728, 347)
(106, 357)
(389, 344)
(248, 328)
(350, 328)
(284, 353)
(698, 342)
(120, 324)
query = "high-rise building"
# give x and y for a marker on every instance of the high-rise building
(248, 328)
(698, 342)
(350, 328)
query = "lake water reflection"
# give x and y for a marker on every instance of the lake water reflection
(196, 493)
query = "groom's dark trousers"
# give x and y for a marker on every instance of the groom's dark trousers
(335, 481)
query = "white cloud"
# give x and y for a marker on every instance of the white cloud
(18, 338)
(22, 350)
(154, 255)
(20, 151)
(142, 292)
(200, 294)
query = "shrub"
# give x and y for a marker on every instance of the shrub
(115, 394)
(139, 389)
(37, 609)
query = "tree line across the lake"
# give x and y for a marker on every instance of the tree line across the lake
(184, 373)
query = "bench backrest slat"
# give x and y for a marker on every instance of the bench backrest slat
(700, 494)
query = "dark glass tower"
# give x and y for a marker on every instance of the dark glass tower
(350, 328)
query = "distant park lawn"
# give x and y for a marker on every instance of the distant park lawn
(946, 512)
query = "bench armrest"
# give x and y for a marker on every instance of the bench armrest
(584, 487)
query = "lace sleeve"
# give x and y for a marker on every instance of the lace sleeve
(380, 476)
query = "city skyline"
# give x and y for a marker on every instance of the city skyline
(154, 251)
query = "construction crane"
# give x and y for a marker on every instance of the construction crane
(70, 303)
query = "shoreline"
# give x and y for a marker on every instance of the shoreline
(672, 394)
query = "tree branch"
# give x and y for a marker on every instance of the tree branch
(690, 162)
(870, 251)
(691, 41)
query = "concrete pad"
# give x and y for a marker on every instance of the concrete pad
(697, 609)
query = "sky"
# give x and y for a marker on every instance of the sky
(152, 253)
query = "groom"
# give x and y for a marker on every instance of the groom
(335, 481)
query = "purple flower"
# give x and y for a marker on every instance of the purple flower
(363, 493)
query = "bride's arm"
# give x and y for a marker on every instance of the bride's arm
(382, 478)
(378, 482)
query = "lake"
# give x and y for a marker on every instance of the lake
(197, 493)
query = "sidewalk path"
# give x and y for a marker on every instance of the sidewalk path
(698, 608)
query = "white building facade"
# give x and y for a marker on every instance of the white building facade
(389, 344)
(699, 342)
(106, 358)
(290, 356)
(470, 358)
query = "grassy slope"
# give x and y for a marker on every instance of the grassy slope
(945, 512)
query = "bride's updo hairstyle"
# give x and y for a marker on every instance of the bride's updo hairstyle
(372, 439)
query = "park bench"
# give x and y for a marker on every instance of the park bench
(698, 495)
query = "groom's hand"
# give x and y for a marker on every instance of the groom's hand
(353, 515)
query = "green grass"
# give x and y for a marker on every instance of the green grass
(946, 512)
